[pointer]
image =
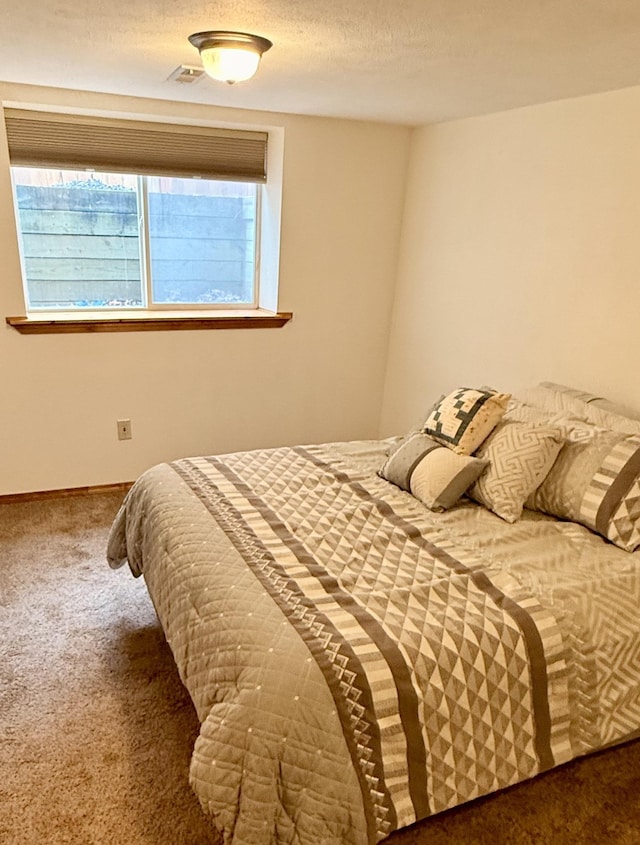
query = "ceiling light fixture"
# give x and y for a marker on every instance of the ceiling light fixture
(230, 56)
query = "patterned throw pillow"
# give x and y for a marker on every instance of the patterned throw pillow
(596, 481)
(466, 417)
(434, 474)
(520, 456)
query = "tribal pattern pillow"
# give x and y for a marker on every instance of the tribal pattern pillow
(465, 418)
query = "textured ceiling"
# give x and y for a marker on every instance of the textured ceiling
(402, 61)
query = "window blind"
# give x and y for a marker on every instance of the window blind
(43, 139)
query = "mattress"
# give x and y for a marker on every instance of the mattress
(358, 662)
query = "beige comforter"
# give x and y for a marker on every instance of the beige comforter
(358, 662)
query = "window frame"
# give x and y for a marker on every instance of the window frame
(145, 263)
(145, 258)
(185, 121)
(267, 314)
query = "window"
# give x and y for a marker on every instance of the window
(120, 214)
(97, 240)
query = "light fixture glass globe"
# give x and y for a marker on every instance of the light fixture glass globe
(230, 56)
(230, 64)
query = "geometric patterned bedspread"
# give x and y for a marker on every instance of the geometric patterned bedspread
(357, 662)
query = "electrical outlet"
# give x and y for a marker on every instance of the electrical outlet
(124, 429)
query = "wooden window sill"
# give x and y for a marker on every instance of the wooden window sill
(66, 323)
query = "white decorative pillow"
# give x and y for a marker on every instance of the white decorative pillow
(466, 417)
(520, 455)
(434, 474)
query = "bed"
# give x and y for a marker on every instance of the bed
(359, 661)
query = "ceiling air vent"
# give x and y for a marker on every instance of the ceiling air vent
(186, 74)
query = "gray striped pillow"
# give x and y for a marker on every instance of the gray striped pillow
(596, 481)
(432, 473)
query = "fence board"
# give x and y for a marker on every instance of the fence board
(202, 271)
(59, 247)
(213, 249)
(79, 270)
(56, 222)
(54, 293)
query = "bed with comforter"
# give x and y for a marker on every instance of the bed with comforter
(359, 661)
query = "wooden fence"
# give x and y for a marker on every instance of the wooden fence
(82, 246)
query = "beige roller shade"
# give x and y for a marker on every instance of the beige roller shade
(41, 139)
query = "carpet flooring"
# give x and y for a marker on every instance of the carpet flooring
(96, 730)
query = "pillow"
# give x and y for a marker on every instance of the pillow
(596, 481)
(594, 401)
(464, 418)
(521, 412)
(520, 455)
(586, 406)
(615, 409)
(554, 401)
(432, 473)
(573, 392)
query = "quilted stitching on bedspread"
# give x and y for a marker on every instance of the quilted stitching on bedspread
(273, 762)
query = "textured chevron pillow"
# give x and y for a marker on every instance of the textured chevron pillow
(464, 418)
(596, 481)
(431, 472)
(520, 455)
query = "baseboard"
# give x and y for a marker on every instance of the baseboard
(11, 498)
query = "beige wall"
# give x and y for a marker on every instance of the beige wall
(319, 378)
(519, 258)
(520, 255)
